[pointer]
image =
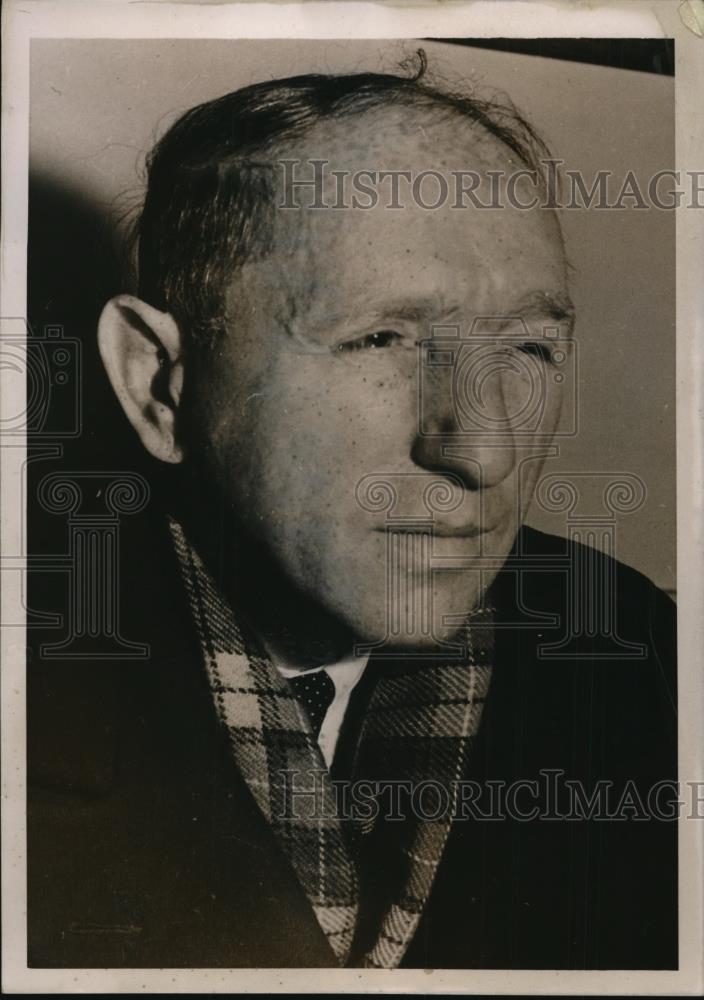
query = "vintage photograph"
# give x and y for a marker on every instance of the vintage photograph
(350, 504)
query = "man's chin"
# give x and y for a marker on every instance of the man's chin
(454, 645)
(443, 633)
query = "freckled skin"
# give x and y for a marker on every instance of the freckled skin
(288, 418)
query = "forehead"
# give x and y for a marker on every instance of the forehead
(399, 135)
(326, 259)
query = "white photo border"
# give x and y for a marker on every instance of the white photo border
(27, 19)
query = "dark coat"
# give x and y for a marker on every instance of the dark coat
(145, 848)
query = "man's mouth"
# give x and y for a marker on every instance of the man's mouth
(441, 530)
(459, 531)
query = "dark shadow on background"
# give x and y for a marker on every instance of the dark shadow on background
(76, 261)
(644, 55)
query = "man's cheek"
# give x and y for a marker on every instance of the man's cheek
(312, 433)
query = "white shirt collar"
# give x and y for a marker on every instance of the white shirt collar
(344, 674)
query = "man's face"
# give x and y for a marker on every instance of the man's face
(326, 421)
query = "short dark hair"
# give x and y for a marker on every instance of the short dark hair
(209, 200)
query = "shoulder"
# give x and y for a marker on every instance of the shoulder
(601, 575)
(585, 614)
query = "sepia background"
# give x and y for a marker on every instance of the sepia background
(97, 106)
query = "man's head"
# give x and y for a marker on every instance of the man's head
(341, 379)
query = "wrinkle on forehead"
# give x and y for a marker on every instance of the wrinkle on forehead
(315, 249)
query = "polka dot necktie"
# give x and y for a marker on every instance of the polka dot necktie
(315, 692)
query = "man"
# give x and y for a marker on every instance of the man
(348, 384)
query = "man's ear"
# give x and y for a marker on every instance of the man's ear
(141, 350)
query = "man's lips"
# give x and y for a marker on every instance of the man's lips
(459, 531)
(441, 530)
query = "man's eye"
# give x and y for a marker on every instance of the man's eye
(537, 350)
(380, 338)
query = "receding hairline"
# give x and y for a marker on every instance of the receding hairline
(207, 207)
(426, 112)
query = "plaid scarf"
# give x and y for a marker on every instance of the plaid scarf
(419, 725)
(418, 729)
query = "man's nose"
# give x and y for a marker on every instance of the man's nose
(468, 437)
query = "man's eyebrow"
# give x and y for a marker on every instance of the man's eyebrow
(554, 305)
(437, 309)
(413, 310)
(410, 309)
